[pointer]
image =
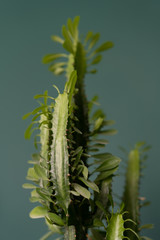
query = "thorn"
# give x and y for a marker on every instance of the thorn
(142, 198)
(68, 175)
(67, 215)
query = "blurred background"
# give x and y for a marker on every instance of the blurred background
(127, 82)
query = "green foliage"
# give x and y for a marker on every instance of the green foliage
(71, 175)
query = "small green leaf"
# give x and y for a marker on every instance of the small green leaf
(75, 193)
(51, 57)
(55, 66)
(78, 158)
(36, 157)
(70, 27)
(102, 156)
(41, 108)
(85, 172)
(93, 71)
(67, 43)
(77, 130)
(41, 172)
(140, 144)
(108, 164)
(98, 145)
(31, 175)
(53, 227)
(100, 141)
(81, 190)
(96, 60)
(147, 148)
(94, 40)
(106, 174)
(28, 186)
(105, 46)
(35, 199)
(28, 131)
(88, 36)
(98, 113)
(41, 96)
(79, 149)
(146, 226)
(26, 115)
(44, 196)
(38, 212)
(108, 132)
(56, 219)
(57, 39)
(89, 184)
(75, 23)
(108, 122)
(98, 123)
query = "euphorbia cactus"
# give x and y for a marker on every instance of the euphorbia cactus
(72, 179)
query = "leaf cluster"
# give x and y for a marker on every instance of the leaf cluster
(71, 173)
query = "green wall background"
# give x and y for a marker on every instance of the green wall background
(127, 82)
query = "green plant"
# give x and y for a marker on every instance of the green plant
(72, 180)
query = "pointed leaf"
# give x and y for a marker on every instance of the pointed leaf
(75, 193)
(31, 175)
(26, 115)
(96, 60)
(68, 45)
(108, 132)
(81, 190)
(106, 174)
(102, 155)
(57, 39)
(38, 212)
(85, 172)
(105, 46)
(100, 141)
(108, 164)
(146, 226)
(94, 40)
(51, 57)
(88, 36)
(76, 22)
(43, 196)
(89, 184)
(28, 131)
(41, 172)
(28, 186)
(70, 27)
(93, 71)
(79, 149)
(56, 219)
